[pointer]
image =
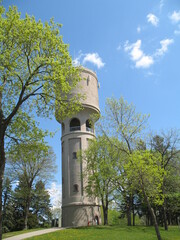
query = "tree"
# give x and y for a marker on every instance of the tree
(145, 173)
(36, 76)
(100, 159)
(41, 203)
(30, 164)
(122, 121)
(39, 207)
(167, 145)
(7, 200)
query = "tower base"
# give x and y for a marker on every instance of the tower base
(81, 215)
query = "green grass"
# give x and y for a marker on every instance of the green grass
(11, 234)
(108, 233)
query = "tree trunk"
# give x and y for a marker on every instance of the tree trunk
(133, 208)
(134, 216)
(26, 210)
(105, 213)
(2, 158)
(26, 213)
(153, 217)
(2, 166)
(165, 215)
(129, 206)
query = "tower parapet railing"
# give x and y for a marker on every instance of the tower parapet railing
(88, 129)
(75, 128)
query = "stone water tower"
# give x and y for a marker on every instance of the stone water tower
(77, 208)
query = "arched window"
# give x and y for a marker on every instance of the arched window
(75, 125)
(75, 188)
(89, 127)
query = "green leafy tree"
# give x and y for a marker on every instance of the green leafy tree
(100, 159)
(21, 196)
(123, 122)
(36, 76)
(167, 145)
(7, 200)
(30, 163)
(144, 171)
(40, 204)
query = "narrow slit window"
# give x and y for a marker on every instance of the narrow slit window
(75, 188)
(88, 79)
(74, 155)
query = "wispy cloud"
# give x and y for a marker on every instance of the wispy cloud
(152, 19)
(119, 47)
(175, 17)
(77, 60)
(93, 58)
(177, 32)
(161, 4)
(138, 29)
(164, 46)
(142, 60)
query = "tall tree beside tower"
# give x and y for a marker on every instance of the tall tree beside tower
(36, 75)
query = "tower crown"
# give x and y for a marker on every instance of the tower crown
(88, 87)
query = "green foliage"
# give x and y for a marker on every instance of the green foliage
(35, 64)
(7, 199)
(114, 217)
(100, 160)
(36, 78)
(124, 122)
(32, 161)
(144, 171)
(31, 165)
(41, 204)
(39, 207)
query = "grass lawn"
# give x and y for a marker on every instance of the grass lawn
(11, 234)
(108, 233)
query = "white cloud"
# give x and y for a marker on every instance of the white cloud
(164, 46)
(119, 47)
(138, 29)
(153, 19)
(77, 61)
(134, 50)
(55, 193)
(161, 4)
(175, 17)
(140, 59)
(94, 58)
(177, 32)
(145, 62)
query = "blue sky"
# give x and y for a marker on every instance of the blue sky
(133, 46)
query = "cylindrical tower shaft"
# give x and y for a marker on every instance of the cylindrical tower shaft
(78, 209)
